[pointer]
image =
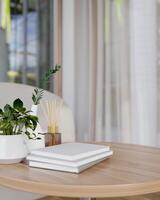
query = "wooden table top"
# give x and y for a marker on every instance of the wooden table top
(132, 170)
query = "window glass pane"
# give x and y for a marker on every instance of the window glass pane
(26, 55)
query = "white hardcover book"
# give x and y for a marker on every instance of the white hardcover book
(63, 168)
(69, 163)
(71, 151)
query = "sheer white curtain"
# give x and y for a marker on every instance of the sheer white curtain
(115, 95)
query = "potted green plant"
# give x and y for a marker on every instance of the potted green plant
(39, 141)
(15, 121)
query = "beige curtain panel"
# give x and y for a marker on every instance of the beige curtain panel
(116, 96)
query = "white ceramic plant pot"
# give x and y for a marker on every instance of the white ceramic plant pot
(34, 110)
(33, 144)
(12, 149)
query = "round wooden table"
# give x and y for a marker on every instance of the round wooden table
(132, 170)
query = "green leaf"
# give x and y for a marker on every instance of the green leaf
(1, 112)
(22, 110)
(33, 120)
(7, 108)
(34, 98)
(18, 104)
(37, 96)
(50, 72)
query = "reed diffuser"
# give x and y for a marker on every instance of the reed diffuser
(52, 111)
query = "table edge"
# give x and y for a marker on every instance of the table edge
(86, 191)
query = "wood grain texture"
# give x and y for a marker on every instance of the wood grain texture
(132, 170)
(155, 196)
(57, 198)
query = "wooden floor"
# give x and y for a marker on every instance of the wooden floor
(155, 196)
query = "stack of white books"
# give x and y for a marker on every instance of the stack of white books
(69, 157)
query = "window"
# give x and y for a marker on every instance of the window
(28, 51)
